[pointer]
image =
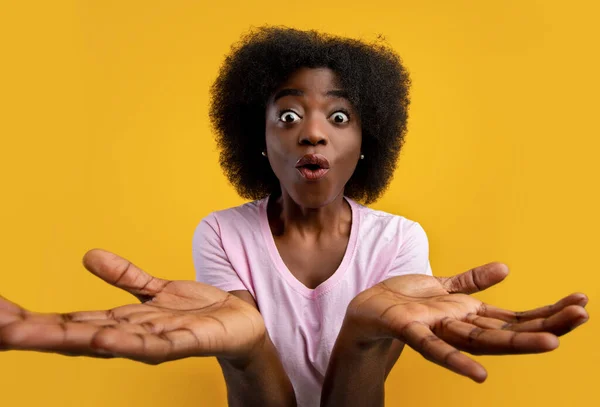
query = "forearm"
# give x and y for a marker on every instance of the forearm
(260, 382)
(356, 372)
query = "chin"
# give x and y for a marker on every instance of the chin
(313, 198)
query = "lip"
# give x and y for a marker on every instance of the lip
(313, 159)
(312, 175)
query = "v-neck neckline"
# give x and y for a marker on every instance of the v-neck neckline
(287, 275)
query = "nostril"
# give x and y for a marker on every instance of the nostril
(312, 141)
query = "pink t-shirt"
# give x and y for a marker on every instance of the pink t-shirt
(234, 249)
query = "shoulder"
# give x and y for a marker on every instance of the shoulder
(248, 211)
(238, 218)
(387, 226)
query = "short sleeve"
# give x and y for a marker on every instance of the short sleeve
(210, 260)
(413, 255)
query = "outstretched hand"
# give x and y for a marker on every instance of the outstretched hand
(176, 319)
(435, 317)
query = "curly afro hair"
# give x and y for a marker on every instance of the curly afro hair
(371, 73)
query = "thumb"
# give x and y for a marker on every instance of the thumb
(476, 279)
(121, 273)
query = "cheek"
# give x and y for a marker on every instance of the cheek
(349, 145)
(276, 146)
(278, 153)
(352, 151)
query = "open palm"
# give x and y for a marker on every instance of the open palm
(176, 319)
(421, 312)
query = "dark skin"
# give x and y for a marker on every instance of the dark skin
(179, 319)
(308, 115)
(303, 117)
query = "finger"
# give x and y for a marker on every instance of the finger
(167, 323)
(143, 347)
(103, 322)
(564, 321)
(70, 338)
(9, 306)
(118, 314)
(85, 316)
(542, 312)
(480, 341)
(7, 318)
(145, 316)
(113, 316)
(419, 337)
(476, 279)
(152, 348)
(121, 273)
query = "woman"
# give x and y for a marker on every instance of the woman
(304, 295)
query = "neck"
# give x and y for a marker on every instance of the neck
(286, 216)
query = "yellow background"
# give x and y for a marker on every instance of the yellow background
(105, 142)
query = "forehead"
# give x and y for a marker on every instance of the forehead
(309, 80)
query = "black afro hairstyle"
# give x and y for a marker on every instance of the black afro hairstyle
(371, 73)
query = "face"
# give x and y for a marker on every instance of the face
(313, 137)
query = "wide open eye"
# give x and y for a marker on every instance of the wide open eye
(339, 117)
(289, 116)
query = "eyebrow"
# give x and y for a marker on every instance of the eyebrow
(336, 93)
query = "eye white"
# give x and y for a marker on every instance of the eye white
(289, 117)
(339, 117)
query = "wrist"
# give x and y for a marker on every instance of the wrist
(354, 338)
(258, 379)
(363, 331)
(263, 350)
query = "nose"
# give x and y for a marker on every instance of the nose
(314, 132)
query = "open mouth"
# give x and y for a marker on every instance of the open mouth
(312, 166)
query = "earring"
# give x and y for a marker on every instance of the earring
(362, 156)
(264, 154)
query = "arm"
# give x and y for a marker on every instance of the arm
(355, 374)
(262, 381)
(471, 281)
(259, 380)
(394, 353)
(176, 320)
(422, 312)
